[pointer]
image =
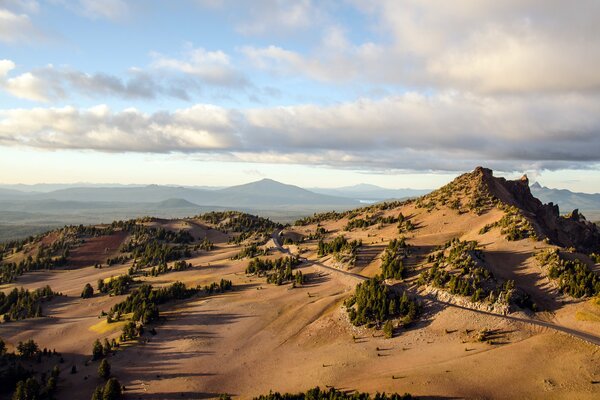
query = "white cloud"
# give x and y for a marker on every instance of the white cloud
(485, 47)
(16, 28)
(448, 131)
(199, 128)
(165, 77)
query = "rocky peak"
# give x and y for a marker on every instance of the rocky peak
(570, 231)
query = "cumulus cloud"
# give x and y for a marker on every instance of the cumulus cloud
(448, 131)
(199, 128)
(484, 47)
(16, 27)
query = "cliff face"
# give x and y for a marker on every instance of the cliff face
(570, 231)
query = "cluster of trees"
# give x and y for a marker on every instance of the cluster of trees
(344, 251)
(21, 304)
(338, 245)
(332, 394)
(16, 378)
(164, 268)
(361, 223)
(513, 225)
(236, 221)
(223, 286)
(392, 264)
(100, 350)
(321, 217)
(10, 271)
(457, 268)
(278, 271)
(144, 301)
(250, 252)
(572, 275)
(335, 216)
(374, 302)
(120, 259)
(205, 245)
(115, 286)
(154, 253)
(405, 224)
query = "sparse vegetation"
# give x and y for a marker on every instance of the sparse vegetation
(332, 394)
(458, 267)
(343, 250)
(513, 225)
(572, 275)
(250, 252)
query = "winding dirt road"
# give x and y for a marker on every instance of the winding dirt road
(588, 337)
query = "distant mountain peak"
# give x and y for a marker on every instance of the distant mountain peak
(536, 185)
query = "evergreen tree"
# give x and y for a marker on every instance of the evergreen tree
(104, 369)
(88, 291)
(98, 393)
(97, 350)
(112, 390)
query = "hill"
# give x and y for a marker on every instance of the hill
(432, 296)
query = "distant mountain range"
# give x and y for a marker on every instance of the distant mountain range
(367, 193)
(31, 208)
(261, 194)
(568, 201)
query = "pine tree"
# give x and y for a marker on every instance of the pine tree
(104, 369)
(97, 350)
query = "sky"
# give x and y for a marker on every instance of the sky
(397, 93)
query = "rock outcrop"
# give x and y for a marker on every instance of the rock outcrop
(572, 230)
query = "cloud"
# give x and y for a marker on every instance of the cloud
(212, 67)
(52, 83)
(448, 131)
(16, 28)
(177, 78)
(277, 16)
(199, 128)
(484, 47)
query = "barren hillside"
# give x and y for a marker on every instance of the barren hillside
(476, 290)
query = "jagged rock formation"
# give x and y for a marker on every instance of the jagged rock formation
(566, 231)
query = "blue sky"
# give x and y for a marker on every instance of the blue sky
(329, 93)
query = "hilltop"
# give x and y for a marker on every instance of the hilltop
(431, 296)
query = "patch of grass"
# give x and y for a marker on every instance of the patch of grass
(104, 327)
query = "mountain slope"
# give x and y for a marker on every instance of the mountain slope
(481, 191)
(270, 192)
